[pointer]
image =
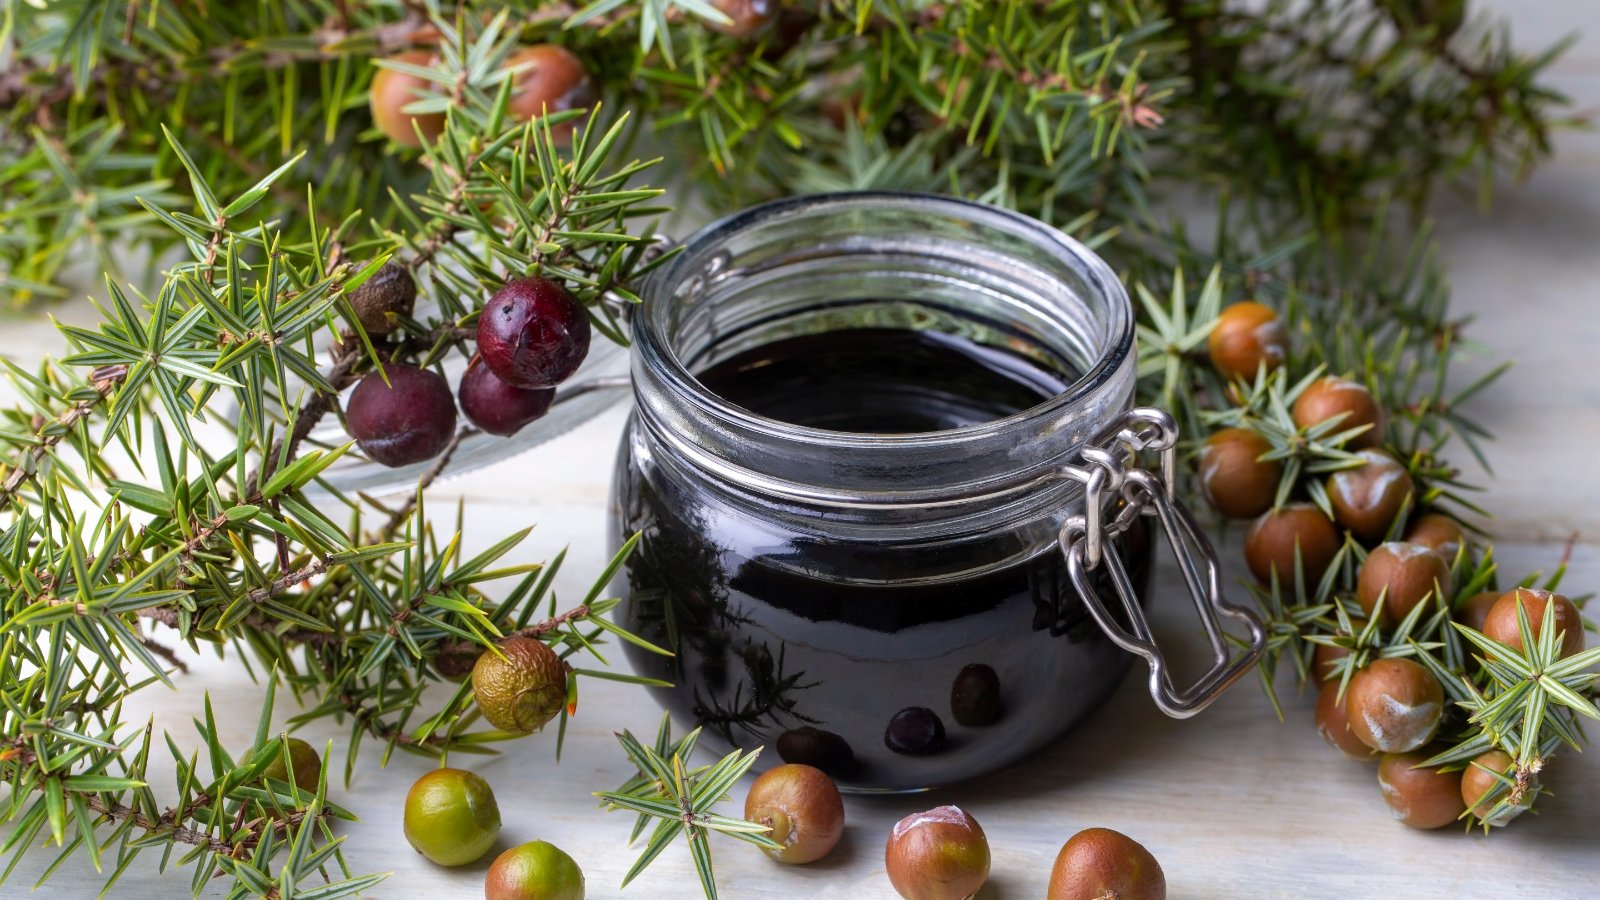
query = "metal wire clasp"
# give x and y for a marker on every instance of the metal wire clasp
(1110, 472)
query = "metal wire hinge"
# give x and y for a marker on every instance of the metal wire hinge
(1110, 472)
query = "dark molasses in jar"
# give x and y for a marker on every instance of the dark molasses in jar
(929, 670)
(882, 447)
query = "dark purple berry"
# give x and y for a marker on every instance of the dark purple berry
(497, 407)
(817, 748)
(408, 420)
(533, 334)
(915, 731)
(975, 696)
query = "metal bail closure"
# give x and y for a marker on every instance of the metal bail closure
(1111, 473)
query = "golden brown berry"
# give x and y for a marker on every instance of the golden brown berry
(391, 91)
(1400, 576)
(1323, 659)
(1247, 336)
(1098, 863)
(1501, 623)
(1420, 797)
(382, 299)
(522, 687)
(1334, 725)
(536, 870)
(749, 16)
(307, 766)
(1368, 498)
(1474, 611)
(1438, 531)
(1394, 705)
(802, 807)
(451, 817)
(1328, 397)
(1482, 792)
(940, 854)
(551, 80)
(1269, 545)
(1237, 482)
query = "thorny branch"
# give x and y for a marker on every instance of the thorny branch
(104, 381)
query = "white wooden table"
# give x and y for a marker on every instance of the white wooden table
(1233, 803)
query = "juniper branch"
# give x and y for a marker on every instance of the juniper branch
(103, 382)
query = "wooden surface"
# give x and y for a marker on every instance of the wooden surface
(1233, 803)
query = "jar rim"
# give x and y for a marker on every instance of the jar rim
(652, 340)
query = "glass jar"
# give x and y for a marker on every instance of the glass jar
(903, 610)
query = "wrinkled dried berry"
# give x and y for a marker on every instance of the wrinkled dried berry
(381, 300)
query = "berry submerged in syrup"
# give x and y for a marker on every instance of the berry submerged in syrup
(891, 662)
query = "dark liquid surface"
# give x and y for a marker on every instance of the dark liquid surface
(882, 381)
(889, 663)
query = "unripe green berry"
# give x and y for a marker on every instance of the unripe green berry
(451, 817)
(307, 765)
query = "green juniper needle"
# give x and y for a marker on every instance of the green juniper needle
(667, 788)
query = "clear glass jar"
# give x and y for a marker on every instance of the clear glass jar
(894, 608)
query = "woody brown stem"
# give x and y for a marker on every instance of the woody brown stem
(166, 825)
(168, 616)
(104, 381)
(532, 631)
(166, 653)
